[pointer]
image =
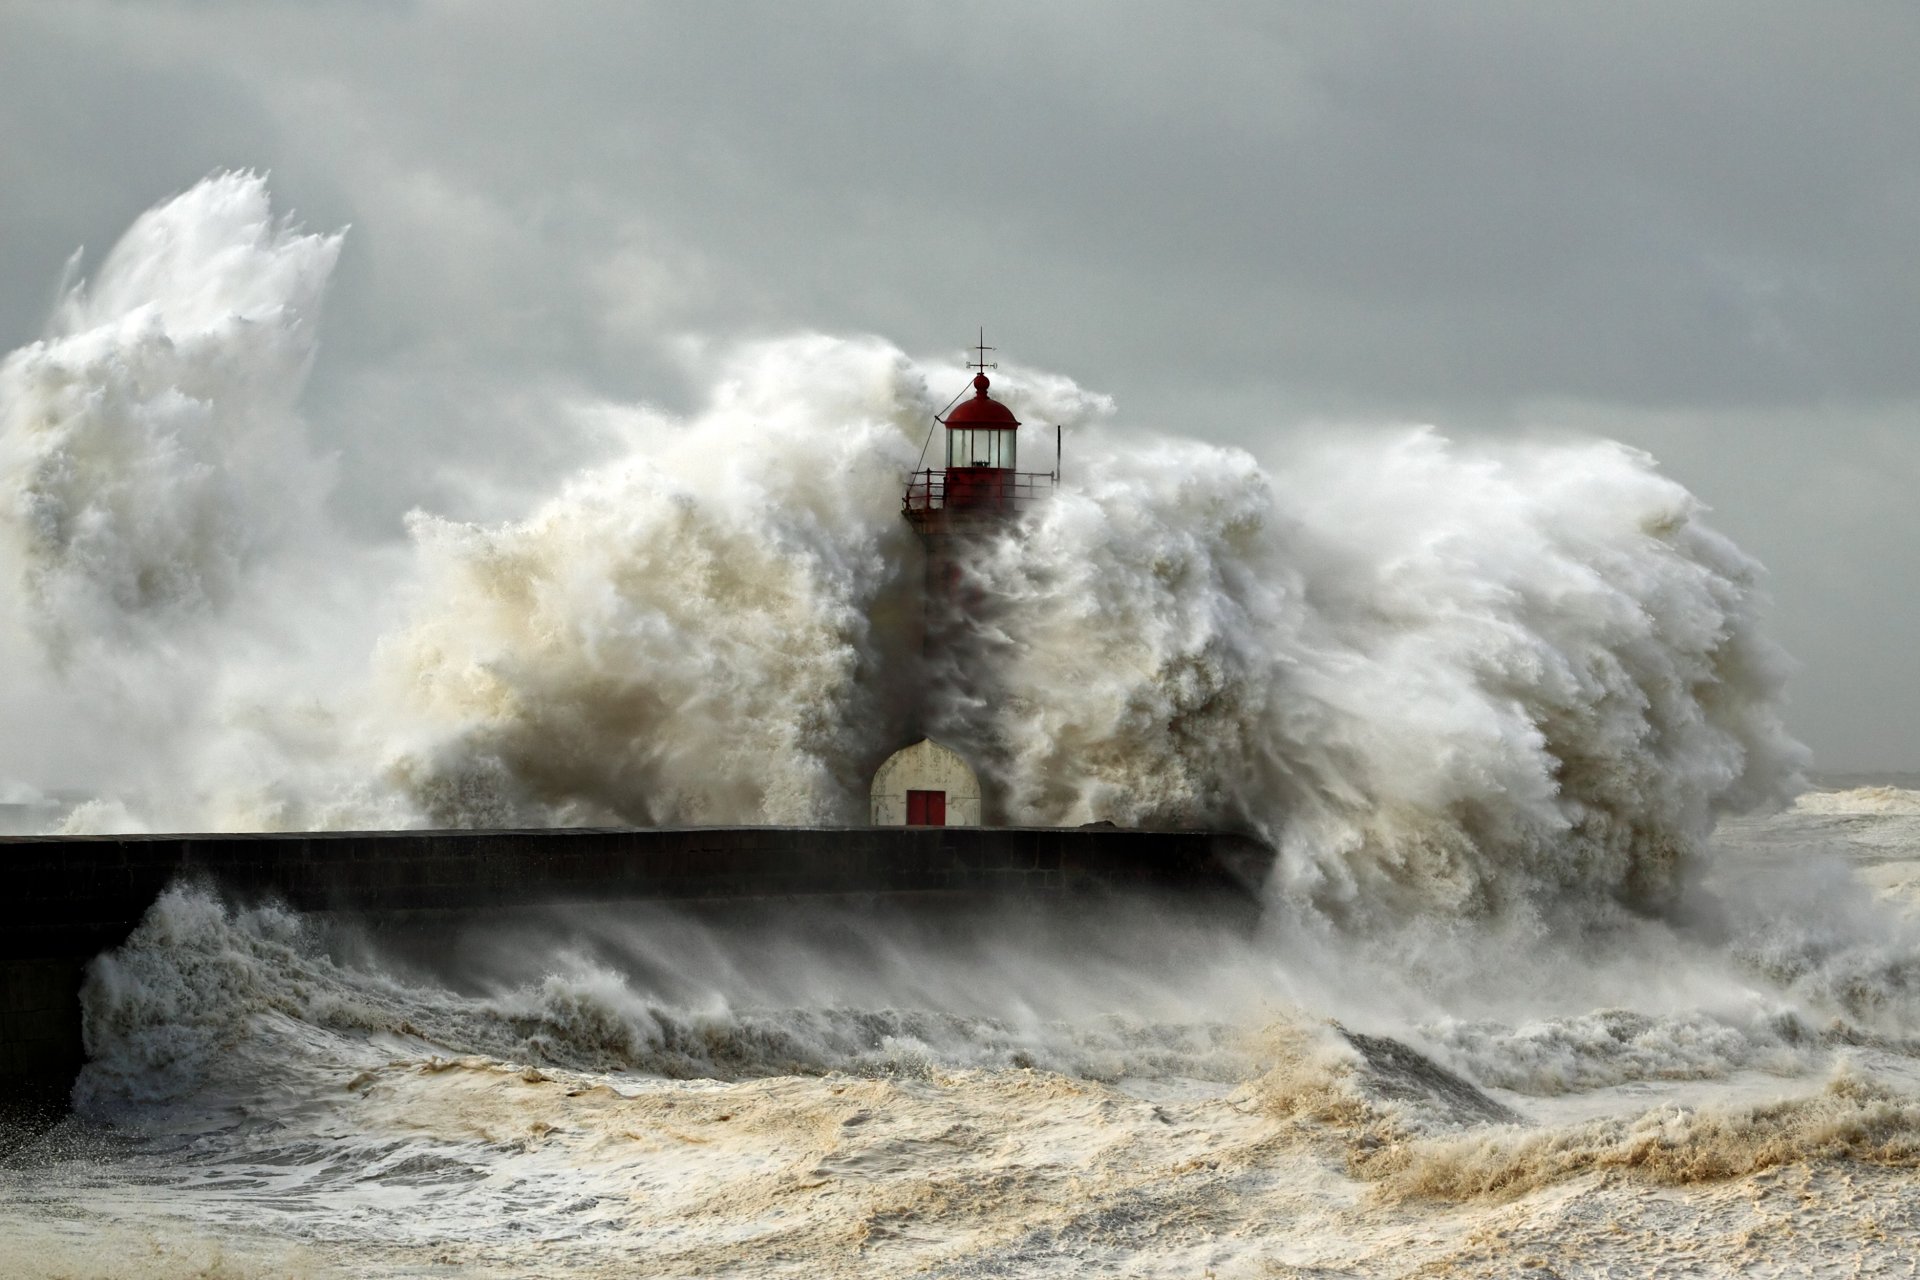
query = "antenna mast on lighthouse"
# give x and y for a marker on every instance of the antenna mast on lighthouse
(982, 347)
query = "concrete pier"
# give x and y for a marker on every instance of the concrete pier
(70, 897)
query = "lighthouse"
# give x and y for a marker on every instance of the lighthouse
(978, 492)
(955, 509)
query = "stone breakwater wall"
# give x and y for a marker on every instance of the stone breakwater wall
(68, 898)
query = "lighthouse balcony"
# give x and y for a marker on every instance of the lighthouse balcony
(933, 497)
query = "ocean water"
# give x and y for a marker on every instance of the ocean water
(1553, 973)
(1733, 1088)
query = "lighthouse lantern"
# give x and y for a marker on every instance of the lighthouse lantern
(982, 480)
(981, 432)
(982, 437)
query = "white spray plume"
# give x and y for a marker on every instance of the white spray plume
(150, 451)
(709, 630)
(1432, 675)
(157, 495)
(1436, 677)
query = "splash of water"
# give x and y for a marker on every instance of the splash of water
(150, 449)
(1433, 674)
(1437, 677)
(714, 628)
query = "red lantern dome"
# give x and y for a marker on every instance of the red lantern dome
(981, 411)
(980, 438)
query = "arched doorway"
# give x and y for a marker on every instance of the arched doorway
(926, 785)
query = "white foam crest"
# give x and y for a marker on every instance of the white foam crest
(162, 542)
(713, 630)
(593, 1019)
(1436, 676)
(210, 1002)
(1618, 1046)
(1874, 800)
(150, 450)
(161, 1011)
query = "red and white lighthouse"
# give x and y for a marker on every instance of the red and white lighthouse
(957, 510)
(981, 485)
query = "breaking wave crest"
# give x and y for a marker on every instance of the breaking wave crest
(1434, 676)
(1438, 678)
(1414, 1130)
(710, 629)
(206, 996)
(1859, 800)
(150, 449)
(1850, 1119)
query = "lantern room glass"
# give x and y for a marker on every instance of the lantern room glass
(981, 447)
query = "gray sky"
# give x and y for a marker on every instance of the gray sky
(1691, 226)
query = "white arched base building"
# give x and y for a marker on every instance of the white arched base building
(926, 785)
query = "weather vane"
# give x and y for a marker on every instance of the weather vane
(982, 347)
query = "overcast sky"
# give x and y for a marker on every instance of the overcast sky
(1694, 227)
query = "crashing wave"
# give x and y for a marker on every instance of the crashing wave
(1437, 677)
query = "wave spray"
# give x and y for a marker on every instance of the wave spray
(1435, 676)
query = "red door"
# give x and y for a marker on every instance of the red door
(926, 808)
